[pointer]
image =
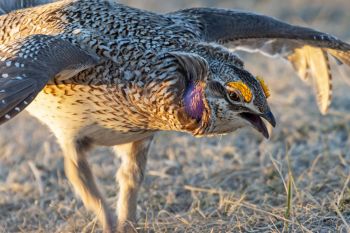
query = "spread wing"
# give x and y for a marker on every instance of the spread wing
(305, 48)
(28, 64)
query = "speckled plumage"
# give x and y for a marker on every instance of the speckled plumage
(101, 73)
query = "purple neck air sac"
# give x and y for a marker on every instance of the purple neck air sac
(194, 105)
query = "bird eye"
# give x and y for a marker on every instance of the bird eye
(233, 96)
(239, 92)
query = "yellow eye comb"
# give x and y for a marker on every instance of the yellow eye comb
(243, 89)
(264, 86)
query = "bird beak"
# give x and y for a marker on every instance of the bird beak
(270, 118)
(257, 123)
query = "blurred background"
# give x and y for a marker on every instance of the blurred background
(298, 181)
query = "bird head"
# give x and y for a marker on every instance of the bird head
(237, 99)
(221, 96)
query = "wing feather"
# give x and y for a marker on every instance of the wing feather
(343, 56)
(313, 62)
(28, 64)
(306, 48)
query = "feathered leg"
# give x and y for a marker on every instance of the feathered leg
(79, 174)
(130, 176)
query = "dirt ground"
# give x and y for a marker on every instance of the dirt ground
(298, 181)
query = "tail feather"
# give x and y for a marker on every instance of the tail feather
(7, 6)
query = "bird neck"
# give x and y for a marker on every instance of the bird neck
(193, 101)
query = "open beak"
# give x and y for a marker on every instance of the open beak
(257, 123)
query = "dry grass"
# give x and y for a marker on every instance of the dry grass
(298, 181)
